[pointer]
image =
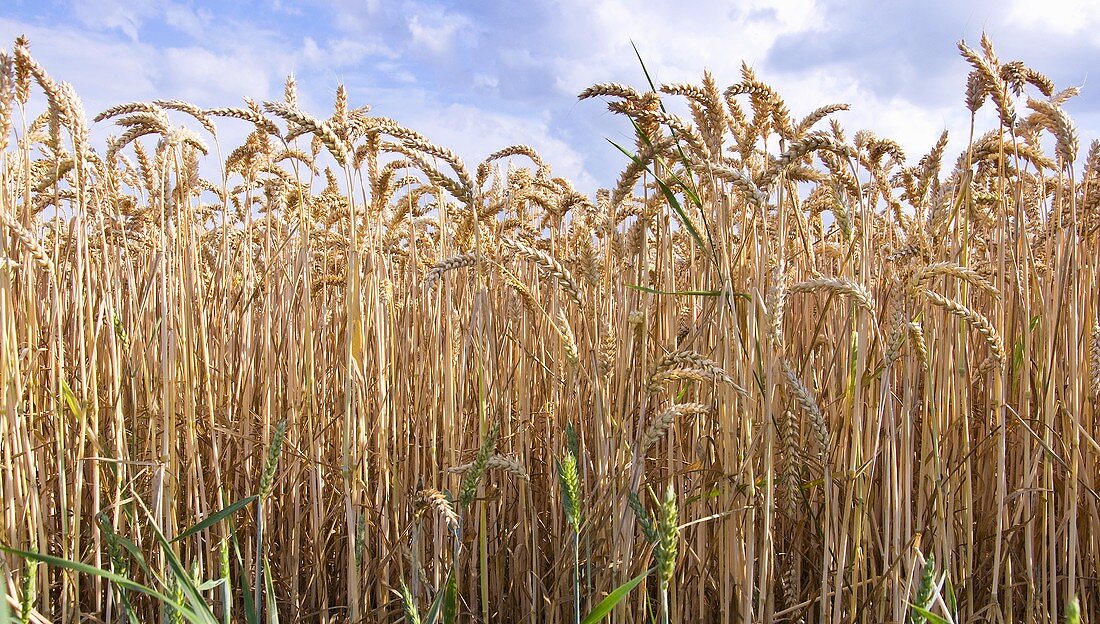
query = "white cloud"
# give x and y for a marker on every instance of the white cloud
(126, 16)
(1057, 17)
(676, 45)
(435, 29)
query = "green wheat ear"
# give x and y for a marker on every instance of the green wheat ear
(645, 519)
(923, 598)
(1073, 611)
(408, 604)
(473, 476)
(273, 454)
(668, 537)
(570, 489)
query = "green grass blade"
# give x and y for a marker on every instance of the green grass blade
(928, 615)
(269, 589)
(214, 518)
(613, 599)
(437, 604)
(450, 601)
(5, 608)
(250, 615)
(211, 584)
(200, 610)
(691, 293)
(670, 197)
(83, 568)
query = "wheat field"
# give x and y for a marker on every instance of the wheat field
(778, 372)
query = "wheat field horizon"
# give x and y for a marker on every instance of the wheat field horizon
(778, 371)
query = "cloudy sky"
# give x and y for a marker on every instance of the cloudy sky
(480, 76)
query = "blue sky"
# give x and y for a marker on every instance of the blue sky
(480, 76)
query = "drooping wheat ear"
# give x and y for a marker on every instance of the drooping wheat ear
(321, 129)
(549, 265)
(1055, 119)
(665, 420)
(438, 501)
(684, 360)
(439, 268)
(29, 241)
(425, 146)
(245, 114)
(857, 292)
(514, 150)
(644, 518)
(817, 115)
(1094, 364)
(186, 107)
(610, 89)
(472, 479)
(130, 108)
(668, 538)
(740, 181)
(503, 463)
(570, 483)
(273, 454)
(809, 405)
(799, 148)
(923, 596)
(975, 320)
(916, 334)
(925, 275)
(442, 505)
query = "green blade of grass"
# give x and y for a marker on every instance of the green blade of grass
(450, 601)
(269, 588)
(83, 568)
(437, 604)
(669, 196)
(214, 518)
(928, 615)
(613, 599)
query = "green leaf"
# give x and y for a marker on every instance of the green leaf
(5, 608)
(272, 605)
(645, 70)
(437, 604)
(687, 293)
(130, 547)
(669, 196)
(83, 568)
(211, 584)
(70, 399)
(250, 615)
(201, 611)
(214, 518)
(928, 615)
(450, 602)
(613, 599)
